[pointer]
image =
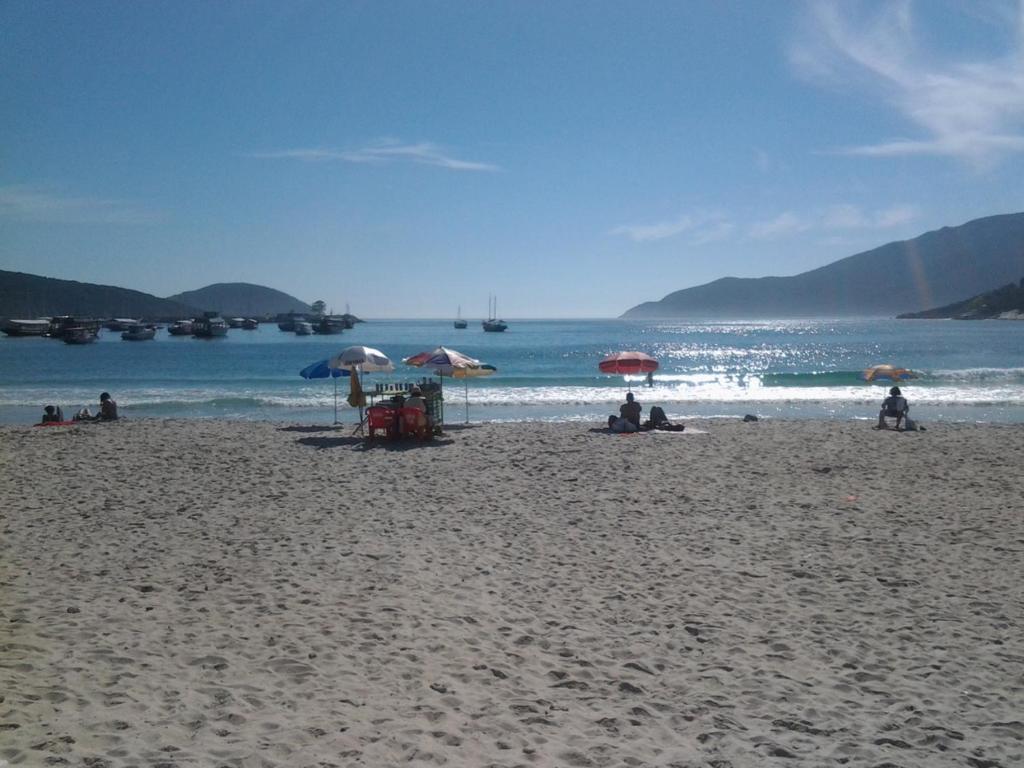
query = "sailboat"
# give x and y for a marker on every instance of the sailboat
(459, 322)
(492, 324)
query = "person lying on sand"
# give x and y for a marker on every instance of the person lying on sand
(659, 420)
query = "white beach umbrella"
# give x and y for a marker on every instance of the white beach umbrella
(366, 359)
(360, 359)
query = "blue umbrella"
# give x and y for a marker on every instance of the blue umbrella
(320, 370)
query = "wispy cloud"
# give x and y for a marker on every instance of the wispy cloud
(971, 108)
(385, 151)
(787, 223)
(703, 227)
(43, 204)
(848, 216)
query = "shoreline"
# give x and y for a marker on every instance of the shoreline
(252, 593)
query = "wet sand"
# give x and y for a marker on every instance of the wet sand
(776, 593)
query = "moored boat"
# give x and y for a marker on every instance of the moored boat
(16, 327)
(61, 324)
(180, 328)
(250, 324)
(120, 323)
(80, 335)
(303, 328)
(236, 322)
(492, 324)
(286, 321)
(139, 332)
(459, 322)
(211, 325)
(330, 324)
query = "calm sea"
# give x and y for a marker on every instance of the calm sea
(547, 370)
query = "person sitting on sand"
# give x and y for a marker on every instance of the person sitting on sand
(894, 406)
(628, 419)
(52, 414)
(630, 410)
(108, 409)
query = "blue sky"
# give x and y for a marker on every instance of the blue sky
(573, 158)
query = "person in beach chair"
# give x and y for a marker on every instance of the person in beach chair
(895, 406)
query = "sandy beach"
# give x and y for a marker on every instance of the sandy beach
(203, 593)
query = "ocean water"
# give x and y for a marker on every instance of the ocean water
(547, 370)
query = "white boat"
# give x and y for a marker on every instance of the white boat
(27, 327)
(139, 332)
(303, 328)
(209, 326)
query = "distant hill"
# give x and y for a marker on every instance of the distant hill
(1007, 301)
(24, 295)
(936, 268)
(241, 300)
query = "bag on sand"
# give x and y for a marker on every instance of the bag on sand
(909, 425)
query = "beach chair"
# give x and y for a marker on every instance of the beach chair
(415, 423)
(379, 418)
(894, 407)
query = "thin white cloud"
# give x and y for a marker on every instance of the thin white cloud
(642, 233)
(848, 216)
(43, 204)
(968, 108)
(784, 224)
(703, 227)
(423, 153)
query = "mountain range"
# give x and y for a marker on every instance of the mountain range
(936, 268)
(25, 295)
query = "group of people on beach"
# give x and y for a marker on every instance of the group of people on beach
(628, 419)
(895, 406)
(52, 414)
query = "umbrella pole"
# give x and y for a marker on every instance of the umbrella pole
(466, 382)
(335, 398)
(354, 373)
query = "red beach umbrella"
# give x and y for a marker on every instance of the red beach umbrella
(627, 363)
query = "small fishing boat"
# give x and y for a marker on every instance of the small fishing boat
(303, 328)
(250, 324)
(459, 322)
(139, 332)
(180, 328)
(236, 322)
